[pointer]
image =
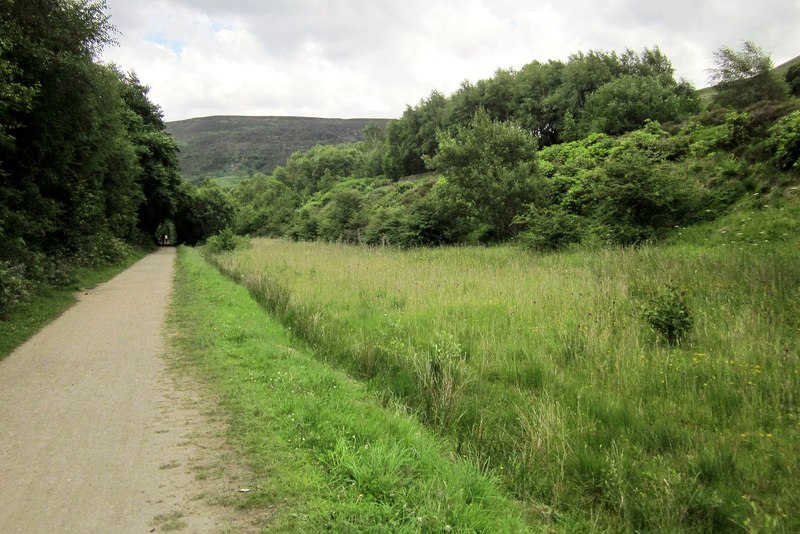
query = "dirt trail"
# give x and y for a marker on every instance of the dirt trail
(95, 436)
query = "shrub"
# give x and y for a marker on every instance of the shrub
(642, 195)
(102, 249)
(343, 218)
(225, 241)
(667, 312)
(14, 285)
(551, 229)
(784, 140)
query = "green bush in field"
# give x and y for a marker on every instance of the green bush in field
(342, 217)
(667, 312)
(225, 241)
(551, 229)
(640, 201)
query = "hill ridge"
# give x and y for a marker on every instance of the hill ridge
(221, 146)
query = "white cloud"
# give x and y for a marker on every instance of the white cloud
(349, 58)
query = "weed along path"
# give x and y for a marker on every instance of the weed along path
(95, 435)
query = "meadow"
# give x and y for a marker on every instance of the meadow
(550, 372)
(320, 454)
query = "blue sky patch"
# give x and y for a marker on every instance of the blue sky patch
(175, 45)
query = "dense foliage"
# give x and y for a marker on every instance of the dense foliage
(605, 148)
(86, 166)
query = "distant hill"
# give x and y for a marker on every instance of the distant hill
(228, 147)
(783, 68)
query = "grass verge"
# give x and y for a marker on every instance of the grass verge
(326, 456)
(48, 302)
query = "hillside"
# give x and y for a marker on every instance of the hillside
(236, 146)
(784, 67)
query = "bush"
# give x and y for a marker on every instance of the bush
(101, 249)
(225, 241)
(784, 140)
(343, 217)
(667, 312)
(550, 229)
(641, 197)
(14, 286)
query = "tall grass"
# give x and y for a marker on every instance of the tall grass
(544, 369)
(325, 457)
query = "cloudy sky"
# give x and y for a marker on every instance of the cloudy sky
(371, 58)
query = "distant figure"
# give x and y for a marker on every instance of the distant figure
(164, 239)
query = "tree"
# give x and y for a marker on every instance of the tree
(67, 165)
(85, 163)
(15, 99)
(309, 171)
(203, 212)
(492, 166)
(413, 137)
(624, 105)
(157, 153)
(744, 77)
(266, 206)
(536, 109)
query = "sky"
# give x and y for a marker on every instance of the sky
(372, 58)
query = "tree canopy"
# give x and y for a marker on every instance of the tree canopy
(604, 148)
(86, 165)
(557, 101)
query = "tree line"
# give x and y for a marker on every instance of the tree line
(86, 166)
(605, 148)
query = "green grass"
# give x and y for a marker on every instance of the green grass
(326, 455)
(169, 522)
(229, 180)
(48, 302)
(544, 369)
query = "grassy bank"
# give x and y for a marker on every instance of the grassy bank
(49, 301)
(325, 455)
(546, 369)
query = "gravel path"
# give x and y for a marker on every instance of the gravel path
(95, 435)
